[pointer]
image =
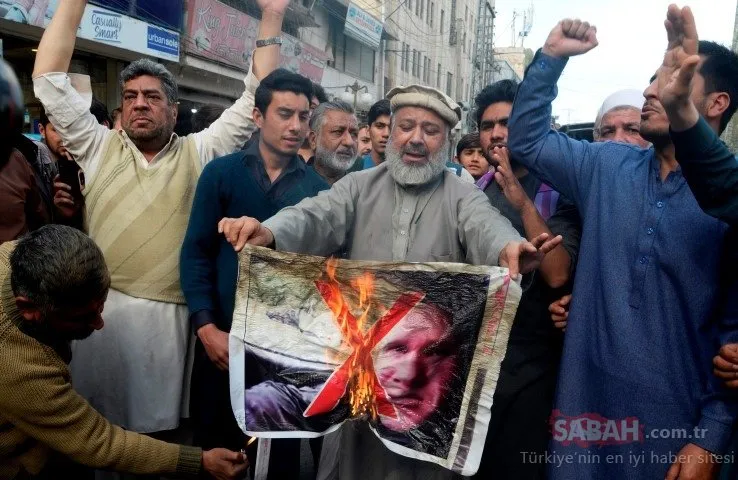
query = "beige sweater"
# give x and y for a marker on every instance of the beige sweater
(138, 216)
(40, 411)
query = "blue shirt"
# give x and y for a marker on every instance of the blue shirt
(642, 330)
(368, 162)
(232, 186)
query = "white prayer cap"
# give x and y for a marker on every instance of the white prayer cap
(622, 98)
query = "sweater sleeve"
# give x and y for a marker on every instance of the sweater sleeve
(200, 249)
(59, 418)
(711, 170)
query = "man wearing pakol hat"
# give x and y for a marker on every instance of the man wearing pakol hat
(409, 208)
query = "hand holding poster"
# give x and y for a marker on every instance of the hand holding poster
(413, 349)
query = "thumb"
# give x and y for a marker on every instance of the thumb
(686, 71)
(234, 457)
(513, 260)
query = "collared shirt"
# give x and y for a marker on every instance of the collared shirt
(371, 217)
(285, 181)
(85, 138)
(368, 161)
(641, 332)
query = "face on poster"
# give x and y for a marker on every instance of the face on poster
(395, 345)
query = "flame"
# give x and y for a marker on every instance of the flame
(362, 384)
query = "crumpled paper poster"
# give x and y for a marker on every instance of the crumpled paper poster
(412, 348)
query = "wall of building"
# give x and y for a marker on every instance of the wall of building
(514, 56)
(349, 61)
(434, 45)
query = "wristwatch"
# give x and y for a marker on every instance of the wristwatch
(265, 42)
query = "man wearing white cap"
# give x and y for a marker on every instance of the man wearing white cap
(409, 208)
(619, 118)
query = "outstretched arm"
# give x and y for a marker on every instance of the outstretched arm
(229, 133)
(565, 164)
(57, 43)
(67, 110)
(708, 165)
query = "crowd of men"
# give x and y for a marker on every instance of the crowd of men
(622, 246)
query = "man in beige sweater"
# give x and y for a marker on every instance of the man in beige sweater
(141, 179)
(53, 284)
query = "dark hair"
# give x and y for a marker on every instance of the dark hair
(319, 93)
(470, 140)
(144, 66)
(502, 91)
(58, 266)
(43, 118)
(380, 108)
(97, 108)
(720, 70)
(281, 80)
(205, 115)
(100, 111)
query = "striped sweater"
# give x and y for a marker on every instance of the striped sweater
(40, 411)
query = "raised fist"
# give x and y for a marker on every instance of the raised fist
(570, 37)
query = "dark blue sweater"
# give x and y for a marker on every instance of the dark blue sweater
(227, 188)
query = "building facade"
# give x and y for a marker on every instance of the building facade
(111, 33)
(434, 46)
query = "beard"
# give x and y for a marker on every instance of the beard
(337, 161)
(145, 135)
(409, 175)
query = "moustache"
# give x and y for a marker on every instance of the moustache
(346, 153)
(415, 150)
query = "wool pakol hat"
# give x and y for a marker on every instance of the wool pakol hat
(425, 97)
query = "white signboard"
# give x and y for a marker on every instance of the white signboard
(363, 27)
(106, 26)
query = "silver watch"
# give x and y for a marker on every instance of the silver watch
(265, 42)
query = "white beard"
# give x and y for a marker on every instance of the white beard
(409, 175)
(333, 160)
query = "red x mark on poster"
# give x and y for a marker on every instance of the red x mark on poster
(362, 344)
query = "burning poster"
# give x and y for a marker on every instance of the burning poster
(413, 349)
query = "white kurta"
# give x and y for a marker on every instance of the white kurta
(135, 371)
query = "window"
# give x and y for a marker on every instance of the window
(432, 14)
(417, 7)
(402, 58)
(422, 8)
(352, 57)
(415, 52)
(438, 76)
(466, 15)
(443, 14)
(449, 81)
(463, 42)
(407, 58)
(409, 5)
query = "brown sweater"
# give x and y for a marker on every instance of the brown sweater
(21, 207)
(40, 411)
